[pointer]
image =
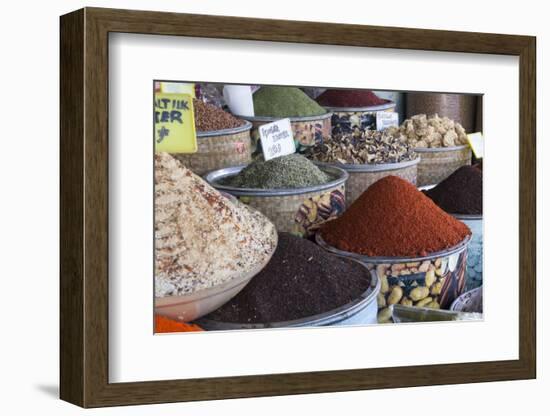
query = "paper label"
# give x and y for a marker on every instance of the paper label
(475, 140)
(277, 139)
(385, 119)
(174, 123)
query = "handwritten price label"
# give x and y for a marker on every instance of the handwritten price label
(277, 139)
(174, 123)
(386, 119)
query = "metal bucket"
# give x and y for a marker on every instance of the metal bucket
(438, 163)
(361, 176)
(432, 281)
(346, 119)
(361, 311)
(219, 149)
(307, 130)
(299, 211)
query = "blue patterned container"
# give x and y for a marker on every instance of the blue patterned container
(474, 265)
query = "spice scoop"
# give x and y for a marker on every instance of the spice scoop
(403, 314)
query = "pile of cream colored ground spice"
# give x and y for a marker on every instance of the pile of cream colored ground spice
(202, 239)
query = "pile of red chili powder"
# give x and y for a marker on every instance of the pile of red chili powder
(350, 98)
(392, 219)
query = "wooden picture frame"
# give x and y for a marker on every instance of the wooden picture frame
(84, 207)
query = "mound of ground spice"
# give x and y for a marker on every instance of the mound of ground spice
(272, 101)
(290, 171)
(300, 280)
(392, 218)
(165, 325)
(461, 192)
(208, 117)
(202, 239)
(350, 98)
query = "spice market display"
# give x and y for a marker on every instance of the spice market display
(361, 213)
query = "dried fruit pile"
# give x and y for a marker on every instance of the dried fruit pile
(363, 147)
(422, 131)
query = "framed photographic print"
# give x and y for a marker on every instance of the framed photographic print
(257, 207)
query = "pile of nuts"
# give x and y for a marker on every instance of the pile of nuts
(410, 284)
(363, 147)
(433, 131)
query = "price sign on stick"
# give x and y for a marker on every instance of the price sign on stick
(475, 140)
(174, 123)
(277, 139)
(385, 119)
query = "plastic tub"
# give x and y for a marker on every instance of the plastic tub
(438, 163)
(346, 119)
(192, 306)
(307, 130)
(299, 211)
(219, 149)
(438, 277)
(361, 311)
(361, 176)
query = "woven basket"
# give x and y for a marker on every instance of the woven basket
(298, 211)
(219, 149)
(361, 176)
(307, 130)
(438, 163)
(458, 107)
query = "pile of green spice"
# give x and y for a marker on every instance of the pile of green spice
(285, 102)
(290, 171)
(300, 280)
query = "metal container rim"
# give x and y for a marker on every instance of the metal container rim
(350, 308)
(391, 260)
(225, 132)
(371, 167)
(213, 177)
(269, 119)
(439, 149)
(366, 109)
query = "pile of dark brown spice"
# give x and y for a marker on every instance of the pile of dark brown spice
(301, 280)
(461, 192)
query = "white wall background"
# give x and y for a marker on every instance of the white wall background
(29, 205)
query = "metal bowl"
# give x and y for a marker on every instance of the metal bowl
(192, 306)
(361, 311)
(383, 260)
(214, 178)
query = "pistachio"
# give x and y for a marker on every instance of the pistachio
(384, 315)
(423, 302)
(395, 295)
(419, 293)
(430, 278)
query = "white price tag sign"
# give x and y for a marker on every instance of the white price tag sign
(476, 143)
(385, 119)
(277, 139)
